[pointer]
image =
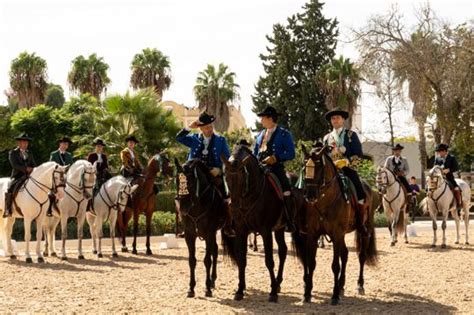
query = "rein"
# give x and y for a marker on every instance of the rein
(388, 184)
(110, 204)
(79, 189)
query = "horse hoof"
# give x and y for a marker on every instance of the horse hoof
(45, 254)
(64, 258)
(361, 291)
(433, 245)
(94, 252)
(456, 243)
(134, 252)
(443, 245)
(213, 284)
(307, 299)
(392, 244)
(191, 294)
(40, 260)
(29, 260)
(278, 289)
(100, 255)
(208, 293)
(54, 255)
(238, 296)
(80, 257)
(334, 301)
(115, 255)
(149, 252)
(255, 249)
(13, 257)
(124, 250)
(273, 298)
(406, 242)
(467, 243)
(341, 292)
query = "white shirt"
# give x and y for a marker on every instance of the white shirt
(131, 153)
(99, 157)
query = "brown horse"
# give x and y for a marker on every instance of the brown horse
(202, 209)
(332, 211)
(143, 201)
(258, 208)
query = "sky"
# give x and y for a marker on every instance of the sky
(192, 33)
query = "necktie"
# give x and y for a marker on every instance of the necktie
(265, 140)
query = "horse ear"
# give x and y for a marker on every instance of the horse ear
(66, 168)
(225, 161)
(178, 166)
(134, 187)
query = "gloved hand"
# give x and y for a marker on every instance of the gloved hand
(270, 160)
(341, 163)
(215, 171)
(446, 171)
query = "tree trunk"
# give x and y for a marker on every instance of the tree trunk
(422, 149)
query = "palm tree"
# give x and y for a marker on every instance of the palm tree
(340, 83)
(28, 79)
(89, 75)
(151, 69)
(214, 89)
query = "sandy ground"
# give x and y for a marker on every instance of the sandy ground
(410, 278)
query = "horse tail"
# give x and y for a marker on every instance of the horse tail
(366, 241)
(401, 221)
(229, 247)
(298, 244)
(424, 205)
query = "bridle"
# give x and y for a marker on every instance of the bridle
(79, 189)
(387, 184)
(431, 190)
(108, 200)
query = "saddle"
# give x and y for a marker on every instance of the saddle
(350, 194)
(275, 183)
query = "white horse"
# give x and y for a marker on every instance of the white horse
(441, 199)
(33, 201)
(394, 203)
(111, 199)
(79, 183)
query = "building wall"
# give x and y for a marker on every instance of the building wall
(188, 115)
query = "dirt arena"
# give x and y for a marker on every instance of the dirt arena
(410, 278)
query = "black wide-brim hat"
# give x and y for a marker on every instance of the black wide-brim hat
(336, 112)
(23, 136)
(269, 111)
(131, 138)
(205, 119)
(65, 139)
(398, 147)
(98, 141)
(442, 147)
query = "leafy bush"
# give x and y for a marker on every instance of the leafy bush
(380, 220)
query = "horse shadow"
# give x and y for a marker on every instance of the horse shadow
(107, 262)
(255, 301)
(48, 265)
(449, 247)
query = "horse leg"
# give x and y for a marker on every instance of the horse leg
(454, 212)
(8, 236)
(39, 238)
(27, 226)
(46, 231)
(443, 227)
(282, 252)
(309, 264)
(91, 222)
(364, 244)
(270, 264)
(63, 236)
(405, 224)
(342, 277)
(395, 218)
(215, 253)
(466, 222)
(336, 269)
(191, 243)
(435, 227)
(149, 216)
(241, 257)
(208, 264)
(135, 231)
(80, 234)
(98, 231)
(255, 247)
(123, 220)
(113, 222)
(52, 237)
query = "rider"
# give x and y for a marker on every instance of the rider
(102, 167)
(399, 166)
(208, 147)
(344, 143)
(22, 162)
(131, 167)
(450, 165)
(273, 146)
(61, 156)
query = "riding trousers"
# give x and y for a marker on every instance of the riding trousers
(354, 177)
(450, 178)
(279, 171)
(15, 183)
(403, 180)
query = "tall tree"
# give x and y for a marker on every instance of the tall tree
(89, 75)
(296, 53)
(28, 79)
(214, 90)
(340, 83)
(54, 96)
(151, 68)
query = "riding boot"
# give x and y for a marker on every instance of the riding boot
(8, 205)
(52, 201)
(228, 229)
(289, 213)
(457, 195)
(360, 220)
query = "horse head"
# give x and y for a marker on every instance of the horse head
(434, 178)
(241, 172)
(125, 192)
(316, 162)
(59, 180)
(384, 179)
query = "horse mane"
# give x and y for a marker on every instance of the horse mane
(197, 163)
